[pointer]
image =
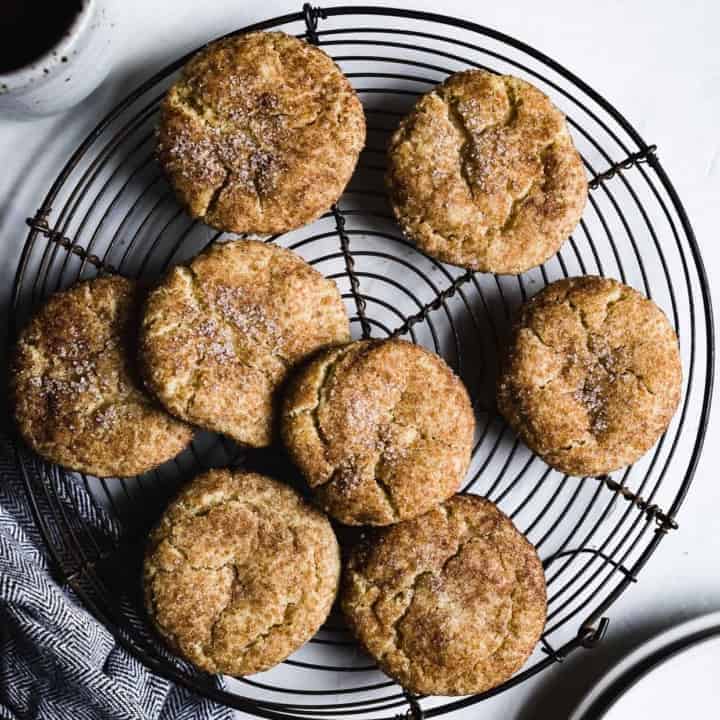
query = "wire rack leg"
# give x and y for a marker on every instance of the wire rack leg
(414, 712)
(635, 159)
(311, 15)
(39, 223)
(360, 305)
(433, 305)
(652, 511)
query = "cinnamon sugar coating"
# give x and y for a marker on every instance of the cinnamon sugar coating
(77, 398)
(450, 603)
(483, 173)
(260, 134)
(219, 335)
(592, 375)
(240, 572)
(382, 430)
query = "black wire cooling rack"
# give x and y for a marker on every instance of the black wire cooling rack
(110, 210)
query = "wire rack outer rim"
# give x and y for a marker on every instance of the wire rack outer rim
(592, 629)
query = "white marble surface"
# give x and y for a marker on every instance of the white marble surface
(657, 61)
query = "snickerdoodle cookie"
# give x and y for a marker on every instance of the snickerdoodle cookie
(76, 396)
(450, 603)
(382, 430)
(592, 375)
(240, 572)
(483, 173)
(219, 335)
(260, 134)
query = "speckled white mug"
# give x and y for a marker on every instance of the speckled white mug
(67, 73)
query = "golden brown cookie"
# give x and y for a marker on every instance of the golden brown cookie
(240, 572)
(592, 375)
(219, 335)
(260, 134)
(382, 430)
(450, 603)
(483, 173)
(77, 398)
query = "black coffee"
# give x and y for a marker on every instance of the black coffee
(29, 28)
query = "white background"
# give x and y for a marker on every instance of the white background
(658, 62)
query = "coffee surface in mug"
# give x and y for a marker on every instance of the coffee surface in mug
(29, 28)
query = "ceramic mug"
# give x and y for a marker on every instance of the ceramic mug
(65, 74)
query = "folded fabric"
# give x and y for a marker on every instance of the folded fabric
(56, 661)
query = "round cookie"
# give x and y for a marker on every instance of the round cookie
(219, 335)
(382, 430)
(260, 134)
(483, 173)
(76, 398)
(240, 572)
(592, 375)
(450, 603)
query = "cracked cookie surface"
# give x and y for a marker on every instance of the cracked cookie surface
(483, 173)
(381, 430)
(240, 572)
(261, 133)
(450, 603)
(219, 335)
(76, 396)
(592, 375)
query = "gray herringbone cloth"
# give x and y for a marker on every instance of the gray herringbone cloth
(56, 661)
